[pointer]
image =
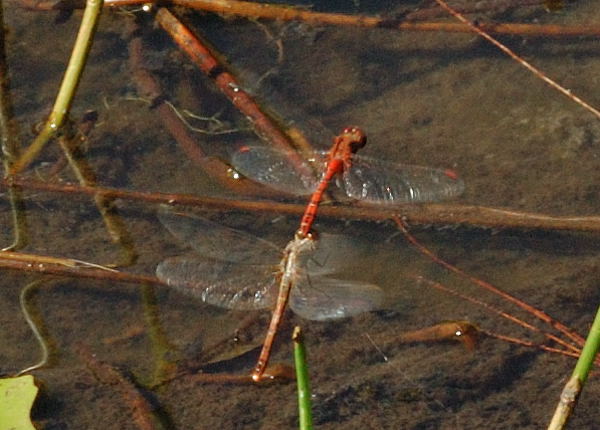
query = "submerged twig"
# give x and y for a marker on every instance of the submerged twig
(286, 13)
(69, 84)
(428, 214)
(69, 267)
(412, 21)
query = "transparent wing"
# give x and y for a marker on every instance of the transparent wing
(378, 181)
(331, 253)
(322, 298)
(216, 241)
(272, 167)
(221, 283)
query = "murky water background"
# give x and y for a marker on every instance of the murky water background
(441, 100)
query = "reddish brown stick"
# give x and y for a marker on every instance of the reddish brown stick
(430, 213)
(285, 13)
(52, 266)
(410, 22)
(528, 344)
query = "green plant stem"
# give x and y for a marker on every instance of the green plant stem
(573, 387)
(69, 84)
(302, 380)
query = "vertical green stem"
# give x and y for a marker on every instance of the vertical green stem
(304, 395)
(69, 84)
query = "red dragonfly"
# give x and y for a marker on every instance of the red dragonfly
(361, 178)
(236, 270)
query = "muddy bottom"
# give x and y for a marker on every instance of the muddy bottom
(435, 99)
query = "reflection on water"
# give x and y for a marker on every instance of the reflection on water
(439, 100)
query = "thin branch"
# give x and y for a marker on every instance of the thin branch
(68, 267)
(428, 214)
(286, 13)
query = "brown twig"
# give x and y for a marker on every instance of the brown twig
(434, 214)
(68, 267)
(285, 13)
(410, 22)
(529, 344)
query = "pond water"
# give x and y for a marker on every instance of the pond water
(427, 98)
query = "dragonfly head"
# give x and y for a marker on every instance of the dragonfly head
(355, 138)
(311, 235)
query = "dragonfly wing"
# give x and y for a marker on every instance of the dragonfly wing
(327, 298)
(378, 181)
(220, 283)
(273, 168)
(331, 253)
(216, 241)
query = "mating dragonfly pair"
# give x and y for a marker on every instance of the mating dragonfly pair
(235, 270)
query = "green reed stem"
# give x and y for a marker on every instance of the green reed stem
(573, 387)
(304, 395)
(62, 105)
